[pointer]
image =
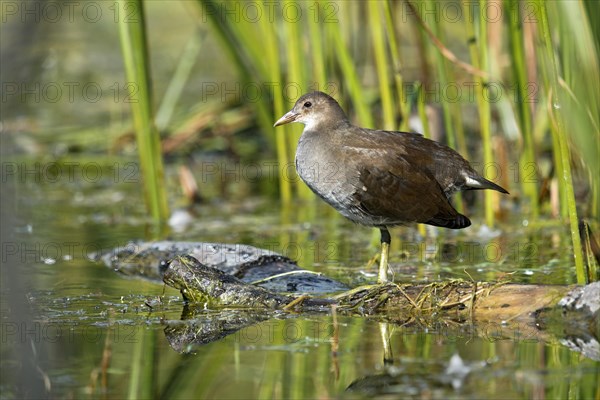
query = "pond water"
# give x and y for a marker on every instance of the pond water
(73, 328)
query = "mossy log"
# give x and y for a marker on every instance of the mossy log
(570, 314)
(474, 300)
(255, 284)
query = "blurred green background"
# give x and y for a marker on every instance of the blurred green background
(97, 95)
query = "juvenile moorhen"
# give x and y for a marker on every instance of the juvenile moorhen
(379, 178)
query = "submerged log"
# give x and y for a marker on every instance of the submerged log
(572, 313)
(257, 284)
(474, 300)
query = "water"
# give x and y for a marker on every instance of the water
(87, 331)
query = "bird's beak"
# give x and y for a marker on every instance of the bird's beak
(287, 118)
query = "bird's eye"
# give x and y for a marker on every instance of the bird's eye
(308, 104)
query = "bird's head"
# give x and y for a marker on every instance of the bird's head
(314, 109)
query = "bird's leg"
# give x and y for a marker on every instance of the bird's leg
(385, 249)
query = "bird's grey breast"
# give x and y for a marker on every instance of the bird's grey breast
(324, 168)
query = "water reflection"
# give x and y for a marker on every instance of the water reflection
(92, 331)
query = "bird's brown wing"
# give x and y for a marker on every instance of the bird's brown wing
(390, 186)
(450, 169)
(399, 200)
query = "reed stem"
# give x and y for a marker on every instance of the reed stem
(403, 107)
(350, 76)
(269, 32)
(565, 174)
(132, 35)
(523, 104)
(478, 44)
(381, 63)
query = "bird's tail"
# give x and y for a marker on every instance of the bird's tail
(457, 222)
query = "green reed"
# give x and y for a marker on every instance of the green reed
(453, 121)
(403, 108)
(444, 77)
(256, 55)
(178, 81)
(523, 104)
(297, 78)
(349, 75)
(556, 95)
(272, 48)
(318, 48)
(137, 68)
(478, 48)
(578, 56)
(142, 368)
(382, 64)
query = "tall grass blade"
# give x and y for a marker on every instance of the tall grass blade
(381, 63)
(142, 366)
(523, 100)
(271, 48)
(296, 78)
(317, 46)
(245, 45)
(135, 55)
(350, 76)
(579, 57)
(566, 179)
(453, 123)
(178, 80)
(478, 46)
(403, 108)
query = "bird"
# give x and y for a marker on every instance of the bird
(379, 178)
